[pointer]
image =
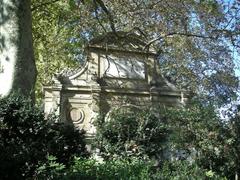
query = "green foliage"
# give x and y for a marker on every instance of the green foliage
(91, 170)
(181, 170)
(195, 39)
(33, 146)
(131, 133)
(121, 169)
(124, 169)
(52, 47)
(27, 137)
(207, 140)
(194, 133)
(50, 169)
(231, 147)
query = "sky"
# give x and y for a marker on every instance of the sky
(237, 64)
(236, 55)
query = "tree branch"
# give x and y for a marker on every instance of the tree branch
(109, 15)
(43, 4)
(97, 17)
(177, 34)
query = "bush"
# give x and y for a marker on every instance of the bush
(27, 138)
(208, 141)
(90, 169)
(194, 133)
(181, 170)
(131, 133)
(131, 168)
(230, 147)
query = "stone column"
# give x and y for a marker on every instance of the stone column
(52, 98)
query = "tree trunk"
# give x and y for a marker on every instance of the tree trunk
(17, 65)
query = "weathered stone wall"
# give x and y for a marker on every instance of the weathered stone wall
(111, 78)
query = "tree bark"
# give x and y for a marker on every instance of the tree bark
(17, 65)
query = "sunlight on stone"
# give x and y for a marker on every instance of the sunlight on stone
(124, 68)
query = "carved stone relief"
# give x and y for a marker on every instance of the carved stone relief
(77, 115)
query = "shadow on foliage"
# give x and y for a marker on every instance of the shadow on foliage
(27, 138)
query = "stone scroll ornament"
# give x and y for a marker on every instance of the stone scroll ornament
(76, 115)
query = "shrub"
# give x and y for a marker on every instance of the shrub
(131, 133)
(230, 148)
(195, 133)
(211, 143)
(90, 169)
(125, 169)
(181, 170)
(26, 138)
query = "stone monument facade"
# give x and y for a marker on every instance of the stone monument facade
(119, 71)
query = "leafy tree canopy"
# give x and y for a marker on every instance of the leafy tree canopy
(196, 40)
